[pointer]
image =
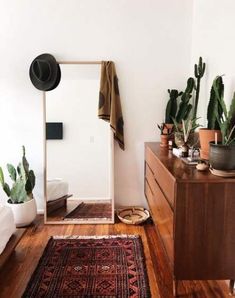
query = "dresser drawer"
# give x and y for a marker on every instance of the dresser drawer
(162, 216)
(162, 176)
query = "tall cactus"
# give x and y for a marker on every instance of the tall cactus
(214, 110)
(171, 107)
(199, 70)
(185, 107)
(226, 121)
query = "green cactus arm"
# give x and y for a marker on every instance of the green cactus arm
(7, 190)
(25, 163)
(30, 183)
(187, 111)
(183, 107)
(2, 180)
(5, 186)
(214, 109)
(199, 71)
(190, 85)
(168, 112)
(231, 113)
(12, 171)
(220, 97)
(171, 107)
(18, 192)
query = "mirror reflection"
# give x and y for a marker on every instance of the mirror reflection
(78, 150)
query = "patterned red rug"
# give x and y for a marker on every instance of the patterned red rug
(91, 211)
(109, 266)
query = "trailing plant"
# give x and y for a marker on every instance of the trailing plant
(172, 105)
(227, 119)
(185, 106)
(214, 109)
(23, 182)
(199, 70)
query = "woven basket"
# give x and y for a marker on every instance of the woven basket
(133, 215)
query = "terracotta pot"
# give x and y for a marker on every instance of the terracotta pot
(222, 157)
(206, 136)
(164, 141)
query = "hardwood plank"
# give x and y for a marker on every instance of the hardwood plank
(16, 273)
(162, 216)
(12, 243)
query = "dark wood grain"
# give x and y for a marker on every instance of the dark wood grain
(56, 204)
(17, 271)
(198, 238)
(177, 169)
(12, 243)
(164, 178)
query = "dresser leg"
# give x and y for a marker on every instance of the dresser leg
(231, 286)
(175, 285)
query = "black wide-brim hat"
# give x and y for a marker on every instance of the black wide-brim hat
(45, 72)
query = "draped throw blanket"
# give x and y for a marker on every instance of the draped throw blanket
(109, 101)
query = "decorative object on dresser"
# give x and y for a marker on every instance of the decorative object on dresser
(20, 195)
(214, 115)
(165, 134)
(194, 214)
(185, 136)
(222, 154)
(86, 266)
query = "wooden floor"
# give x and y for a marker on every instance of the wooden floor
(17, 271)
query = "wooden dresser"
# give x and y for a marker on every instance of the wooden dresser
(194, 213)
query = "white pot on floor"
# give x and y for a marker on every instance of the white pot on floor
(24, 213)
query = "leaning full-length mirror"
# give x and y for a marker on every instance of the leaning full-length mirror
(79, 150)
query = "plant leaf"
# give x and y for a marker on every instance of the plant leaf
(12, 171)
(1, 177)
(18, 192)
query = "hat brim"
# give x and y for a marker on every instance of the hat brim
(57, 79)
(55, 74)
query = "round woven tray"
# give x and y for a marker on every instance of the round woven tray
(133, 215)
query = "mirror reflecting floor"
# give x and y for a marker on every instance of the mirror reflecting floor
(78, 210)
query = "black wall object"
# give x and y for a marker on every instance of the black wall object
(54, 131)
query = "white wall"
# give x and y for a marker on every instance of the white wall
(150, 42)
(82, 157)
(214, 40)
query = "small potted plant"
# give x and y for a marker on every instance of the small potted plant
(184, 134)
(222, 154)
(214, 116)
(20, 194)
(165, 133)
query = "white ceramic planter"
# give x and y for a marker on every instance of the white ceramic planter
(24, 213)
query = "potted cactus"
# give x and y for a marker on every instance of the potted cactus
(185, 106)
(214, 116)
(222, 154)
(20, 194)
